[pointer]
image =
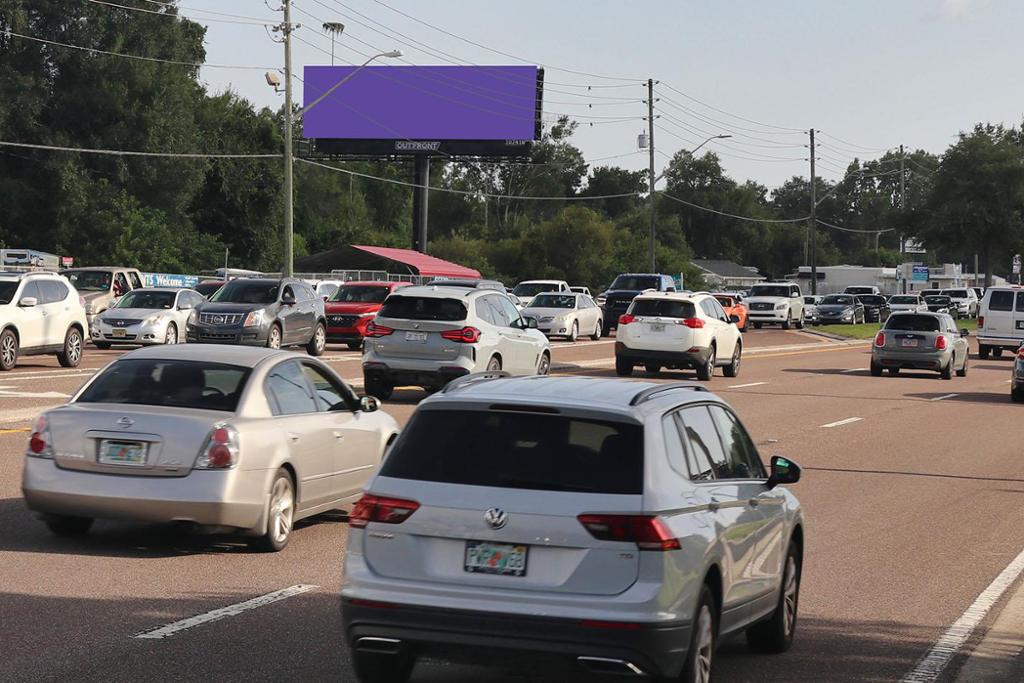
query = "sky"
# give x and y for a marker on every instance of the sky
(869, 75)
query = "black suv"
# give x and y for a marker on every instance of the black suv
(261, 312)
(616, 299)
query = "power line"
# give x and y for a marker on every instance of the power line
(122, 152)
(784, 129)
(839, 227)
(727, 127)
(693, 128)
(205, 11)
(855, 145)
(92, 50)
(176, 16)
(732, 215)
(733, 155)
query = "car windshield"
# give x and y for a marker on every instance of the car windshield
(956, 293)
(525, 290)
(936, 299)
(247, 292)
(7, 290)
(208, 288)
(904, 300)
(871, 299)
(770, 290)
(143, 299)
(361, 294)
(810, 300)
(837, 300)
(554, 301)
(913, 323)
(509, 448)
(89, 280)
(171, 383)
(636, 282)
(665, 308)
(423, 308)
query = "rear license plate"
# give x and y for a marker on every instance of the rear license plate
(495, 558)
(908, 342)
(416, 336)
(119, 332)
(122, 453)
(657, 327)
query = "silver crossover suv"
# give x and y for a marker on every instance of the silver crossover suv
(624, 526)
(920, 341)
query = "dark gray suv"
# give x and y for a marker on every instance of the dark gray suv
(261, 312)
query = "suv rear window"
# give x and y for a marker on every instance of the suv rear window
(423, 308)
(520, 451)
(7, 290)
(1001, 300)
(172, 383)
(913, 323)
(666, 308)
(636, 282)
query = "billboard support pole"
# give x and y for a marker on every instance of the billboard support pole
(420, 198)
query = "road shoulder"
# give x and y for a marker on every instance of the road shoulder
(999, 656)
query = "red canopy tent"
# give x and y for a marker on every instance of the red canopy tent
(390, 259)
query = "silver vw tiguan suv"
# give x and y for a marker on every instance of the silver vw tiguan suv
(623, 526)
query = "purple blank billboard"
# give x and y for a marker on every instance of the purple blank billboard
(424, 103)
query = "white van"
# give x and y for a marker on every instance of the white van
(1000, 321)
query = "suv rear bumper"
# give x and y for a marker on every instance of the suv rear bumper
(681, 359)
(417, 377)
(658, 650)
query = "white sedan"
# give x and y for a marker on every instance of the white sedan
(561, 314)
(145, 316)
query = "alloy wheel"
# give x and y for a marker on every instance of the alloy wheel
(790, 596)
(172, 335)
(320, 339)
(274, 341)
(9, 351)
(282, 503)
(705, 645)
(74, 350)
(545, 364)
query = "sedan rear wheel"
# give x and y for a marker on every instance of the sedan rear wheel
(280, 513)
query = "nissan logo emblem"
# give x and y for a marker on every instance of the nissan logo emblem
(125, 422)
(496, 518)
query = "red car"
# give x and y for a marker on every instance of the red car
(352, 308)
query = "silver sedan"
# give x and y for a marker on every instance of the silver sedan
(235, 438)
(562, 314)
(149, 315)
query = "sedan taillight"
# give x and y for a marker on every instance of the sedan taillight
(371, 508)
(40, 445)
(375, 330)
(467, 335)
(648, 532)
(220, 451)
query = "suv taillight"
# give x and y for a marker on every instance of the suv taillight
(220, 451)
(647, 531)
(880, 339)
(940, 343)
(981, 321)
(626, 319)
(467, 335)
(40, 445)
(375, 330)
(371, 508)
(693, 323)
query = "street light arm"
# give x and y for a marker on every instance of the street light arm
(691, 152)
(302, 112)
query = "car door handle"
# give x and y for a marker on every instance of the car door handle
(295, 438)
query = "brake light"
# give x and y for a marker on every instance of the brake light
(693, 323)
(375, 330)
(39, 442)
(371, 508)
(880, 339)
(626, 319)
(1020, 353)
(981, 321)
(467, 335)
(648, 532)
(940, 343)
(220, 451)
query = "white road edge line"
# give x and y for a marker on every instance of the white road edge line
(742, 386)
(840, 423)
(941, 398)
(229, 611)
(855, 370)
(950, 642)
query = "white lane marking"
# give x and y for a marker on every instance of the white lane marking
(941, 398)
(855, 370)
(840, 423)
(229, 611)
(580, 344)
(5, 392)
(48, 375)
(742, 386)
(950, 642)
(569, 365)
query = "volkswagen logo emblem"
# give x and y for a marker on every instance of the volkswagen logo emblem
(496, 518)
(125, 422)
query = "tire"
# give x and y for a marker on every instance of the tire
(62, 525)
(280, 514)
(706, 371)
(733, 368)
(757, 325)
(102, 346)
(354, 346)
(574, 332)
(318, 342)
(787, 324)
(894, 372)
(652, 369)
(800, 322)
(274, 337)
(8, 350)
(623, 368)
(947, 372)
(983, 351)
(962, 372)
(377, 388)
(997, 352)
(775, 634)
(71, 355)
(172, 334)
(544, 367)
(606, 330)
(1017, 396)
(701, 651)
(876, 369)
(597, 331)
(378, 668)
(494, 364)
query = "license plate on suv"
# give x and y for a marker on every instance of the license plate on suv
(908, 342)
(416, 336)
(122, 453)
(495, 558)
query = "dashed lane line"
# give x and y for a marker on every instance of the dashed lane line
(942, 398)
(840, 423)
(230, 611)
(854, 370)
(17, 430)
(744, 386)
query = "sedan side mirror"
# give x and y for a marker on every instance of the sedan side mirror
(734, 319)
(185, 307)
(784, 471)
(28, 301)
(369, 404)
(529, 323)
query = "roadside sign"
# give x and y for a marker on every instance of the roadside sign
(920, 274)
(67, 261)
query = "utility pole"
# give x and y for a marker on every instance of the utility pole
(651, 178)
(903, 213)
(286, 32)
(813, 223)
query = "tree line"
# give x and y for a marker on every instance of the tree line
(182, 214)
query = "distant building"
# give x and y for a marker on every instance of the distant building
(832, 279)
(720, 273)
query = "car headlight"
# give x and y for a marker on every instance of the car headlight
(600, 300)
(152, 320)
(547, 319)
(254, 319)
(782, 306)
(193, 317)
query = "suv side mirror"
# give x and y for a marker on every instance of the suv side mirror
(28, 301)
(369, 404)
(964, 332)
(288, 298)
(784, 471)
(734, 319)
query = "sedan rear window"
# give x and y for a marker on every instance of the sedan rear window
(904, 300)
(665, 308)
(173, 383)
(507, 449)
(423, 308)
(913, 323)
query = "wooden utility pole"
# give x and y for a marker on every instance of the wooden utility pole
(813, 227)
(650, 177)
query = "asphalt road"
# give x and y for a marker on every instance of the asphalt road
(912, 510)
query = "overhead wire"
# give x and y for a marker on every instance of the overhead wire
(725, 127)
(204, 11)
(839, 227)
(122, 152)
(731, 154)
(731, 215)
(783, 129)
(178, 16)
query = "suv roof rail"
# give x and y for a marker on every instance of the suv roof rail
(650, 392)
(473, 378)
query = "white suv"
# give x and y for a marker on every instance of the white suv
(428, 336)
(678, 330)
(1001, 321)
(966, 301)
(776, 302)
(625, 526)
(40, 313)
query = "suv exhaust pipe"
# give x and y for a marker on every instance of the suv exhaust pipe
(381, 646)
(604, 665)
